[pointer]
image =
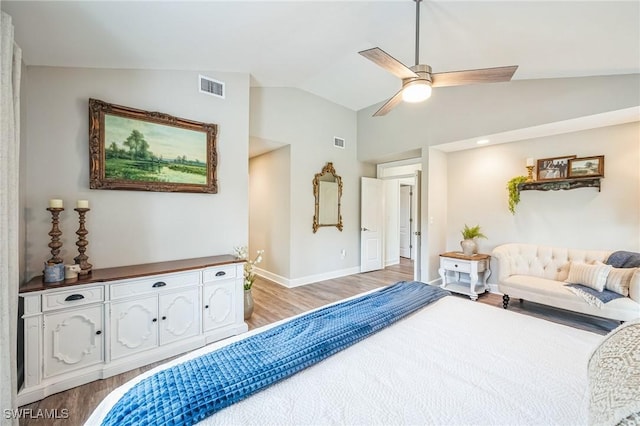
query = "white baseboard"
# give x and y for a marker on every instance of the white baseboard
(309, 279)
(391, 262)
(296, 282)
(437, 282)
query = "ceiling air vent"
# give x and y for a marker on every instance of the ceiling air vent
(338, 142)
(211, 87)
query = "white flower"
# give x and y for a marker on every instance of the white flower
(240, 252)
(249, 275)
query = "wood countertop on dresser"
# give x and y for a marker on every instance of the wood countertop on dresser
(131, 271)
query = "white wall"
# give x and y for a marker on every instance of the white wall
(457, 113)
(131, 227)
(308, 124)
(434, 211)
(579, 218)
(463, 112)
(270, 209)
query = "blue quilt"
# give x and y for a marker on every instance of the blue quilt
(189, 392)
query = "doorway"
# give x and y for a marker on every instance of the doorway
(406, 219)
(399, 215)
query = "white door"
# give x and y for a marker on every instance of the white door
(179, 315)
(417, 226)
(73, 339)
(405, 221)
(134, 326)
(371, 224)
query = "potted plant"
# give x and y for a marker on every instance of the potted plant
(469, 235)
(249, 277)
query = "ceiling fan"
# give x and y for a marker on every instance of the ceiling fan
(418, 80)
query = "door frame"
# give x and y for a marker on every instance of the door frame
(410, 219)
(417, 189)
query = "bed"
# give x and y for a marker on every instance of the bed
(452, 362)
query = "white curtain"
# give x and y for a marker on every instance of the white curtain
(10, 61)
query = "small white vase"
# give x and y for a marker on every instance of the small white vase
(469, 247)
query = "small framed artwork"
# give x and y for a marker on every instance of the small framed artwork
(139, 150)
(586, 167)
(554, 168)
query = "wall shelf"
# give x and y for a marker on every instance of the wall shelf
(555, 185)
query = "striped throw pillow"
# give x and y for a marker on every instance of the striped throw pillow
(594, 276)
(618, 280)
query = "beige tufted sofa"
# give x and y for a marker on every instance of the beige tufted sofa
(537, 273)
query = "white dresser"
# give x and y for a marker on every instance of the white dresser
(119, 319)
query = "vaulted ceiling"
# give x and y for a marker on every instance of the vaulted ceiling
(313, 45)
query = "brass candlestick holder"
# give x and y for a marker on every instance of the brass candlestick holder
(55, 233)
(82, 259)
(530, 176)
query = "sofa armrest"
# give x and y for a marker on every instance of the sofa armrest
(634, 286)
(501, 255)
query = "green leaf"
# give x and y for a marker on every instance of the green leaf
(469, 233)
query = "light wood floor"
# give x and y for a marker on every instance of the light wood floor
(274, 302)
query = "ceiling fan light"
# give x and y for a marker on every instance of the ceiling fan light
(417, 91)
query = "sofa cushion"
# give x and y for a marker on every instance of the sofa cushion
(539, 285)
(634, 286)
(555, 293)
(594, 276)
(541, 261)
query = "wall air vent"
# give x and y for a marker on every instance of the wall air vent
(211, 87)
(338, 142)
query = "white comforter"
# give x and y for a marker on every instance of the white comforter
(454, 362)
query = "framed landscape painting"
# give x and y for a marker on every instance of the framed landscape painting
(587, 167)
(139, 150)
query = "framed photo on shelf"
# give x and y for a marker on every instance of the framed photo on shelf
(586, 167)
(553, 168)
(139, 150)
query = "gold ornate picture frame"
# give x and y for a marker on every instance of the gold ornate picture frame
(327, 190)
(138, 150)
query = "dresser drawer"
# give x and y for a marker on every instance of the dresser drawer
(455, 265)
(155, 284)
(69, 298)
(219, 273)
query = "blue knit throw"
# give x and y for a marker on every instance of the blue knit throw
(624, 259)
(189, 392)
(603, 296)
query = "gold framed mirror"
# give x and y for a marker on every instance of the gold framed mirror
(327, 189)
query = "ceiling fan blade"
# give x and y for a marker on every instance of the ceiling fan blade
(388, 62)
(390, 104)
(485, 75)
